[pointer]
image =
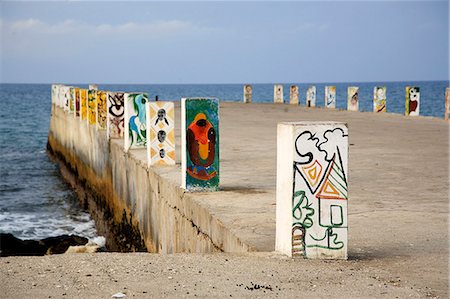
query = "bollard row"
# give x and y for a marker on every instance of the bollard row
(412, 98)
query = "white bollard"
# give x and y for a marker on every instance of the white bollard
(248, 93)
(312, 172)
(293, 95)
(278, 94)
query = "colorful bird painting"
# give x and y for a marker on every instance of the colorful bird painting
(201, 145)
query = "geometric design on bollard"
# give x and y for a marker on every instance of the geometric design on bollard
(200, 144)
(293, 95)
(312, 180)
(412, 101)
(116, 114)
(330, 97)
(447, 103)
(161, 128)
(278, 94)
(76, 96)
(92, 107)
(135, 131)
(248, 93)
(101, 111)
(83, 104)
(379, 99)
(352, 98)
(311, 96)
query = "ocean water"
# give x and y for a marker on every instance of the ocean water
(36, 203)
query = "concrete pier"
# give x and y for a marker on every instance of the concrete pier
(398, 177)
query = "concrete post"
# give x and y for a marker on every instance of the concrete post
(135, 132)
(93, 86)
(248, 93)
(161, 130)
(61, 100)
(412, 101)
(447, 102)
(72, 100)
(379, 99)
(293, 95)
(330, 97)
(66, 98)
(92, 107)
(200, 144)
(352, 98)
(311, 96)
(83, 104)
(278, 94)
(54, 93)
(100, 110)
(76, 96)
(312, 169)
(116, 111)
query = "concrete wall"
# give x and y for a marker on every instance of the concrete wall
(136, 208)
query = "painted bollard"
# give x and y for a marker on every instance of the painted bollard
(76, 97)
(93, 86)
(311, 196)
(330, 97)
(72, 100)
(352, 98)
(311, 96)
(66, 98)
(248, 93)
(293, 95)
(278, 94)
(54, 93)
(116, 114)
(161, 128)
(412, 101)
(200, 144)
(447, 102)
(60, 100)
(101, 110)
(379, 99)
(92, 107)
(135, 132)
(83, 104)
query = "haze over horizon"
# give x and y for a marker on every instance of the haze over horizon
(219, 42)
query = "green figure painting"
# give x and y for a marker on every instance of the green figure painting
(201, 144)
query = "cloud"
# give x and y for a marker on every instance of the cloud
(156, 29)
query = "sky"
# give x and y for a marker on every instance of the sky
(223, 42)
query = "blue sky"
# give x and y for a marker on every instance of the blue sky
(224, 42)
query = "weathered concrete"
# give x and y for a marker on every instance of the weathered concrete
(398, 182)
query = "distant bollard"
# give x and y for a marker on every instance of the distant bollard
(293, 95)
(93, 86)
(101, 111)
(76, 96)
(248, 93)
(352, 98)
(447, 102)
(72, 100)
(312, 170)
(200, 144)
(161, 133)
(83, 104)
(311, 96)
(67, 95)
(379, 99)
(135, 132)
(92, 107)
(116, 114)
(54, 93)
(412, 101)
(61, 100)
(278, 94)
(330, 97)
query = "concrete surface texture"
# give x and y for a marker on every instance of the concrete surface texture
(398, 194)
